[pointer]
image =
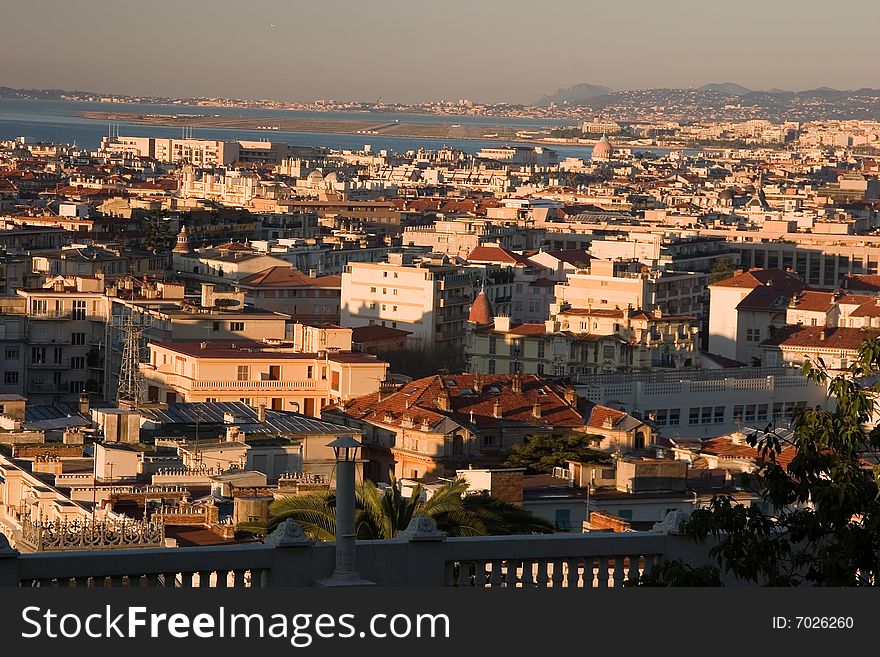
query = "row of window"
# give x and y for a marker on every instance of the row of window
(698, 415)
(12, 378)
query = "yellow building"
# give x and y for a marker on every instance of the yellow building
(272, 373)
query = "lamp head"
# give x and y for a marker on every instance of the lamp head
(345, 448)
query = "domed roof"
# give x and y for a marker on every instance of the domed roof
(603, 148)
(481, 310)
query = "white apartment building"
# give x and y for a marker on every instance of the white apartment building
(706, 403)
(748, 308)
(622, 284)
(429, 299)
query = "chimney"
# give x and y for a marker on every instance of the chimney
(443, 400)
(313, 273)
(571, 396)
(478, 382)
(84, 404)
(261, 413)
(516, 383)
(536, 409)
(822, 335)
(496, 408)
(204, 345)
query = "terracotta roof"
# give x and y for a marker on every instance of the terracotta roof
(571, 256)
(481, 310)
(725, 447)
(602, 416)
(375, 332)
(496, 254)
(833, 337)
(863, 282)
(289, 277)
(419, 401)
(867, 309)
(755, 277)
(813, 301)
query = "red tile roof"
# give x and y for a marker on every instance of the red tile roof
(755, 277)
(481, 310)
(373, 332)
(862, 282)
(493, 253)
(725, 447)
(869, 308)
(420, 401)
(813, 301)
(833, 337)
(289, 277)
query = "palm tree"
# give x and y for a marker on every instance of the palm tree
(382, 513)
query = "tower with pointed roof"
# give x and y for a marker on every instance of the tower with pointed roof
(182, 245)
(481, 311)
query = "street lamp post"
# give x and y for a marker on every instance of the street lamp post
(345, 571)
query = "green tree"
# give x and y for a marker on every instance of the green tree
(819, 523)
(157, 233)
(382, 513)
(543, 452)
(722, 268)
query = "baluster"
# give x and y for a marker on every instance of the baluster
(589, 574)
(542, 578)
(169, 580)
(152, 580)
(495, 577)
(237, 578)
(464, 574)
(602, 574)
(116, 580)
(619, 574)
(558, 575)
(573, 574)
(204, 579)
(186, 580)
(528, 576)
(632, 569)
(480, 578)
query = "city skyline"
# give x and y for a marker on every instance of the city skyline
(400, 53)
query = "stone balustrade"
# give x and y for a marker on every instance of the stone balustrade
(420, 556)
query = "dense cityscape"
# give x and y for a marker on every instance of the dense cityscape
(188, 323)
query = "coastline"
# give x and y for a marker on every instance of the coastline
(270, 125)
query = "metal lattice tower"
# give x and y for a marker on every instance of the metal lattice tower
(131, 382)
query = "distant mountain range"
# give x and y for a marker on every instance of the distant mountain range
(716, 101)
(722, 101)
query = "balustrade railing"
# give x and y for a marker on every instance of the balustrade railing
(414, 558)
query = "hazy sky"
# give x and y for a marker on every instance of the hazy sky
(488, 50)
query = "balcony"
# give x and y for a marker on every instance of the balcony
(75, 315)
(235, 386)
(287, 558)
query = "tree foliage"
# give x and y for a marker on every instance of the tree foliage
(722, 268)
(819, 523)
(543, 453)
(382, 513)
(157, 233)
